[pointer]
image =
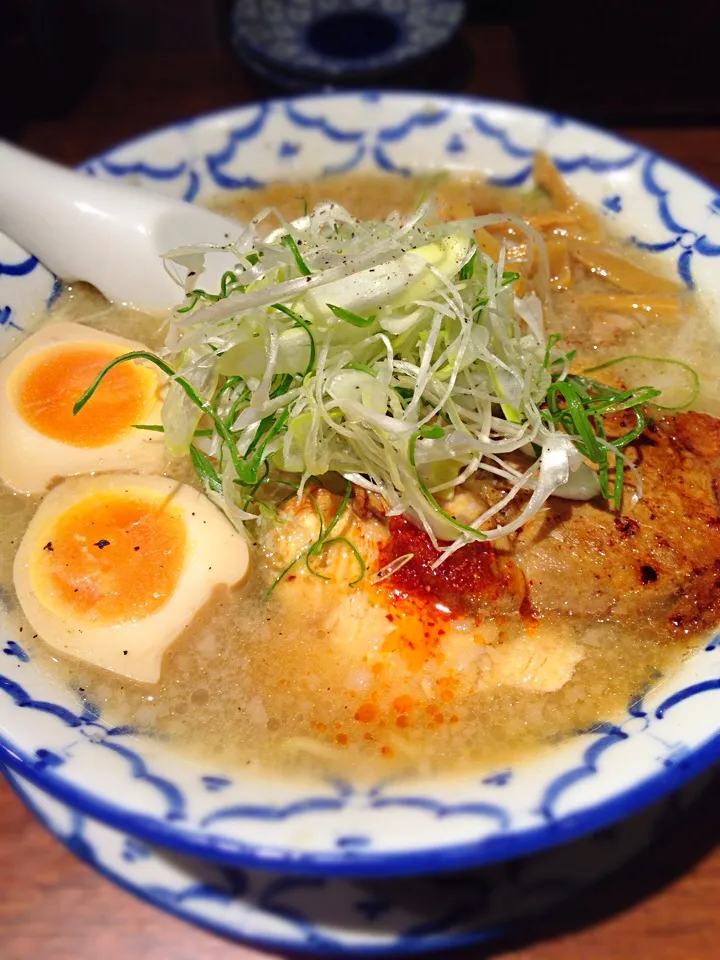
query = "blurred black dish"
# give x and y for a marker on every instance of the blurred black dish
(326, 44)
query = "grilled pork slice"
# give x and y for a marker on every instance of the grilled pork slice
(659, 558)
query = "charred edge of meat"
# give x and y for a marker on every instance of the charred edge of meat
(365, 502)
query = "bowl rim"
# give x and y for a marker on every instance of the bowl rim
(454, 942)
(219, 849)
(421, 96)
(173, 835)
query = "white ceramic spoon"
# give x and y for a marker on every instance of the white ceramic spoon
(109, 234)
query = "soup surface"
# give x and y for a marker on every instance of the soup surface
(569, 619)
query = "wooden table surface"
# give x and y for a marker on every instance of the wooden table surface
(664, 905)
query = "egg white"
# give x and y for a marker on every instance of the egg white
(215, 554)
(30, 461)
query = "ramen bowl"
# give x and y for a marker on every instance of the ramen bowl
(136, 785)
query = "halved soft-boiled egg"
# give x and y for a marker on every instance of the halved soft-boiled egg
(40, 381)
(113, 568)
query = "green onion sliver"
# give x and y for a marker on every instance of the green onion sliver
(289, 242)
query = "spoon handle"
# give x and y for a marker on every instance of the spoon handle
(42, 204)
(110, 234)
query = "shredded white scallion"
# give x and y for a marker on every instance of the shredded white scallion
(424, 369)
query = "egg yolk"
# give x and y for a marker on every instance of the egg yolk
(47, 385)
(111, 557)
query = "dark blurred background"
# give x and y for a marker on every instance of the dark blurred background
(616, 62)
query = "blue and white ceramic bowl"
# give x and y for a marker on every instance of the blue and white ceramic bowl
(135, 784)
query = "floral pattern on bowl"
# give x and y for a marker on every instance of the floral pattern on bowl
(356, 916)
